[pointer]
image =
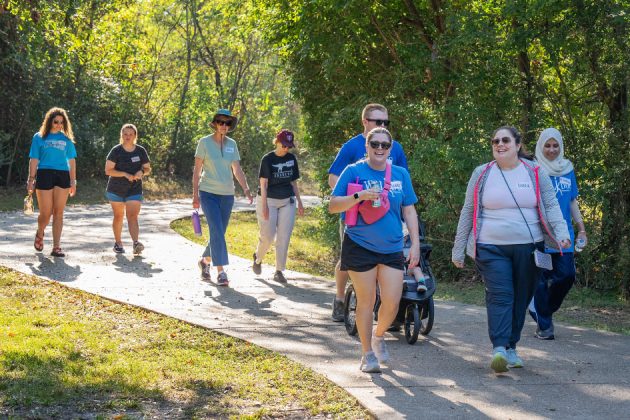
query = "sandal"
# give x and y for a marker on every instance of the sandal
(57, 252)
(39, 242)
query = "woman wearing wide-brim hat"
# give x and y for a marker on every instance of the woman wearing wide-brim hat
(217, 161)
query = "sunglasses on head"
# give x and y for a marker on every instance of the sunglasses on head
(385, 145)
(383, 123)
(223, 122)
(504, 140)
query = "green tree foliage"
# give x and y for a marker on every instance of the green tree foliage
(451, 72)
(164, 65)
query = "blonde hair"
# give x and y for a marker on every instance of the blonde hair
(372, 107)
(126, 126)
(44, 130)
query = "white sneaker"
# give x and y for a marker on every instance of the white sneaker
(380, 349)
(369, 363)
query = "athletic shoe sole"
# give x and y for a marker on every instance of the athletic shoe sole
(499, 363)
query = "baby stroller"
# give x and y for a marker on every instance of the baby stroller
(414, 308)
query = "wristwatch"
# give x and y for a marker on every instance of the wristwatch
(356, 195)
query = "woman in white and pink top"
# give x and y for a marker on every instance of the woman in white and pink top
(510, 210)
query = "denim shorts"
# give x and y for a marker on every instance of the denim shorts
(118, 199)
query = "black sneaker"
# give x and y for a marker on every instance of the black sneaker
(257, 267)
(118, 248)
(222, 279)
(338, 310)
(279, 277)
(205, 270)
(545, 334)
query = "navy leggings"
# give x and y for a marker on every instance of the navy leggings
(553, 287)
(510, 276)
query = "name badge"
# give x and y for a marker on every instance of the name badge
(135, 159)
(229, 150)
(523, 185)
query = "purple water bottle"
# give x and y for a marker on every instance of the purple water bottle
(196, 223)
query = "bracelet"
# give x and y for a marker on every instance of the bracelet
(73, 182)
(581, 231)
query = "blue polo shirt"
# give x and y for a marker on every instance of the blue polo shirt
(53, 152)
(353, 151)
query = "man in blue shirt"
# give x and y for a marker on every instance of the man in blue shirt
(373, 115)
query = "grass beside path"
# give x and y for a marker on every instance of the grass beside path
(68, 354)
(309, 253)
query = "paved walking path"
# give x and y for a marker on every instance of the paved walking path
(582, 374)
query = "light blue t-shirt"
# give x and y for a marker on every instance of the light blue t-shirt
(566, 191)
(353, 151)
(53, 152)
(217, 177)
(385, 235)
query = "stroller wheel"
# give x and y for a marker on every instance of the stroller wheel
(412, 323)
(350, 311)
(428, 313)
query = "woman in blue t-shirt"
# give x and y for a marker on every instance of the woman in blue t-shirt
(375, 251)
(52, 174)
(555, 284)
(127, 163)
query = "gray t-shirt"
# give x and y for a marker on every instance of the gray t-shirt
(502, 223)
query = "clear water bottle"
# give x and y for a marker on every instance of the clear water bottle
(377, 201)
(196, 222)
(580, 243)
(28, 205)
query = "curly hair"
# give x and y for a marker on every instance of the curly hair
(44, 130)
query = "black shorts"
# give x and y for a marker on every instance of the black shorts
(47, 179)
(356, 258)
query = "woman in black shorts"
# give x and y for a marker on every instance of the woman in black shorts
(372, 251)
(52, 174)
(127, 163)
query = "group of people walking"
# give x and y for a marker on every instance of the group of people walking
(53, 177)
(518, 209)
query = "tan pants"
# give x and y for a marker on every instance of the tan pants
(279, 228)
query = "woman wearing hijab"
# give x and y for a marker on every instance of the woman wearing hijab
(217, 161)
(555, 284)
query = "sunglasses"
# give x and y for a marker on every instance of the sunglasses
(504, 140)
(383, 123)
(380, 145)
(223, 122)
(57, 121)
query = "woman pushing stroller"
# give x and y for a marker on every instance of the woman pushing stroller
(375, 250)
